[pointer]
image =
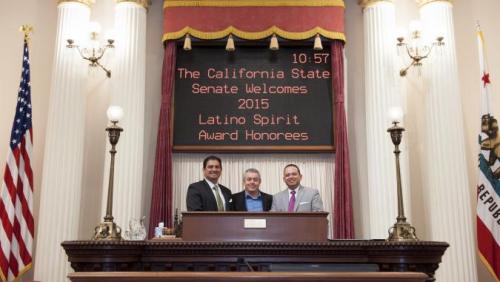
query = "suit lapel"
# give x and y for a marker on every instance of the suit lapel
(209, 192)
(285, 199)
(224, 194)
(264, 201)
(242, 201)
(298, 197)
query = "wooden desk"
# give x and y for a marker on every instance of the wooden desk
(247, 277)
(337, 255)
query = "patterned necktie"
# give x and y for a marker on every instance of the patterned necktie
(291, 203)
(220, 203)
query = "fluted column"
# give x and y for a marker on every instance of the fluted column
(64, 145)
(128, 91)
(381, 93)
(447, 191)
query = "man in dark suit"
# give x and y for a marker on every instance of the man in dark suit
(208, 194)
(252, 199)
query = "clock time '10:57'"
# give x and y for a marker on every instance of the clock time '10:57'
(316, 58)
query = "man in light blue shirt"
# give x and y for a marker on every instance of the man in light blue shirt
(254, 203)
(251, 198)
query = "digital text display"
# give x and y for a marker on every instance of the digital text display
(253, 99)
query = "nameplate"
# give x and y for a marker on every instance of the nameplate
(254, 223)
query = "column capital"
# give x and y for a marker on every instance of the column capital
(85, 2)
(368, 3)
(144, 3)
(425, 2)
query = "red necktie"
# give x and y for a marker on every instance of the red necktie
(291, 203)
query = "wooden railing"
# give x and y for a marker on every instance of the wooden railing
(248, 276)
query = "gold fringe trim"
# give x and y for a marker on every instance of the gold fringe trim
(253, 35)
(253, 3)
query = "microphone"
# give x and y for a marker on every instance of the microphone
(244, 261)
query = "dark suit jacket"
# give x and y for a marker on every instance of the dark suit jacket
(239, 201)
(201, 198)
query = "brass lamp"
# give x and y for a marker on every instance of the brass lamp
(109, 230)
(401, 230)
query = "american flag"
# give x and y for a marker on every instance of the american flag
(16, 194)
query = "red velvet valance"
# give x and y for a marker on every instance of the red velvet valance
(253, 19)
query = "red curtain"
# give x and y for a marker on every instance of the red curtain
(342, 202)
(253, 20)
(161, 197)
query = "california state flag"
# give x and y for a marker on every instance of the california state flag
(488, 186)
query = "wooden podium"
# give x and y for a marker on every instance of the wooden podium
(255, 226)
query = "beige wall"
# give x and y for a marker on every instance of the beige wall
(42, 15)
(465, 15)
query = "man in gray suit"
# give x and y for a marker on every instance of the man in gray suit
(296, 198)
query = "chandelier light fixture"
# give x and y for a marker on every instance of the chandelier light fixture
(416, 47)
(92, 50)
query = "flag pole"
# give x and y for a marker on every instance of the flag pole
(484, 70)
(487, 226)
(16, 190)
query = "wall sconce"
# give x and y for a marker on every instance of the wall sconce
(92, 51)
(416, 49)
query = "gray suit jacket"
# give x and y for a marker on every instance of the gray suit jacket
(306, 200)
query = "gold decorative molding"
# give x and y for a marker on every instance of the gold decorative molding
(144, 3)
(368, 3)
(425, 2)
(85, 2)
(253, 35)
(252, 3)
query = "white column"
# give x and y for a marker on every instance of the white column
(382, 92)
(128, 91)
(63, 157)
(446, 192)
